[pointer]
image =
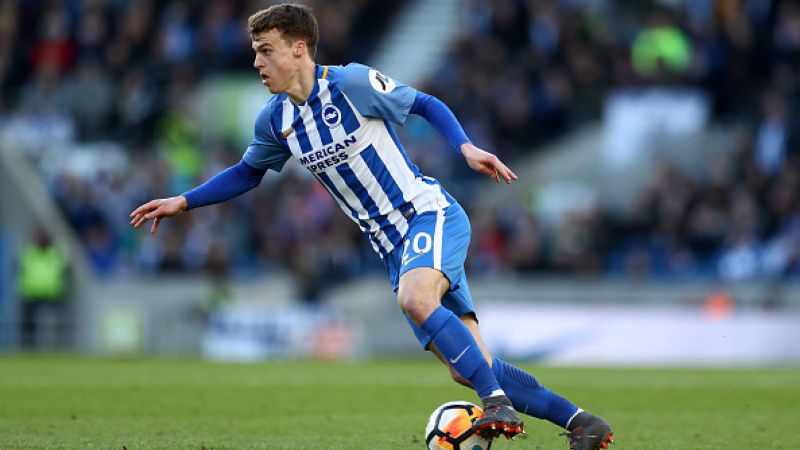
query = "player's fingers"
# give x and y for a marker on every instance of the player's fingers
(487, 170)
(501, 174)
(155, 225)
(144, 208)
(505, 172)
(140, 221)
(157, 214)
(136, 222)
(142, 216)
(136, 218)
(508, 175)
(145, 217)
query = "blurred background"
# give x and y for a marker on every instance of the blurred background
(656, 220)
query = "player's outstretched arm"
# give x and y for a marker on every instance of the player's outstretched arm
(229, 183)
(158, 209)
(487, 163)
(444, 121)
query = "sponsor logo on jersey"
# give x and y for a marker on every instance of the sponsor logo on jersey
(331, 115)
(328, 156)
(381, 82)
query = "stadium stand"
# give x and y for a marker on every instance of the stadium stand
(117, 78)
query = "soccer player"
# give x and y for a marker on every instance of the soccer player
(336, 121)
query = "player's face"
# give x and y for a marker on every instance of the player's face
(277, 60)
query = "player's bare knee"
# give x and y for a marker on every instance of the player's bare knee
(416, 305)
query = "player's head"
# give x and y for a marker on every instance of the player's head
(284, 37)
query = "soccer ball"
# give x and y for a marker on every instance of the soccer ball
(450, 428)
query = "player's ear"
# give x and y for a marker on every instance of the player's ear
(299, 46)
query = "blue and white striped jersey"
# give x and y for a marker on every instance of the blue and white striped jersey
(343, 135)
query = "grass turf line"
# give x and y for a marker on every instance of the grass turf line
(84, 403)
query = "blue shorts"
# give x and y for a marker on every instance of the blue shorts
(436, 239)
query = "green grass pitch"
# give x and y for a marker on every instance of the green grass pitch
(84, 403)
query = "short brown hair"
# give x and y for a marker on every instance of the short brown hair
(294, 21)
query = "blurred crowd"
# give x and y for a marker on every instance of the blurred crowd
(119, 78)
(519, 74)
(116, 68)
(734, 219)
(523, 71)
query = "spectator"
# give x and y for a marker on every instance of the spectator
(43, 286)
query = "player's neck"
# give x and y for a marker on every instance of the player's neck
(304, 83)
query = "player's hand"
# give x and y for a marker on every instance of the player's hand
(158, 209)
(487, 163)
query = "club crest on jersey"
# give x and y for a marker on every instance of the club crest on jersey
(381, 82)
(331, 115)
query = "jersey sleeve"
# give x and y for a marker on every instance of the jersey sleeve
(264, 151)
(376, 95)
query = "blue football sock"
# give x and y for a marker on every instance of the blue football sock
(530, 397)
(457, 344)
